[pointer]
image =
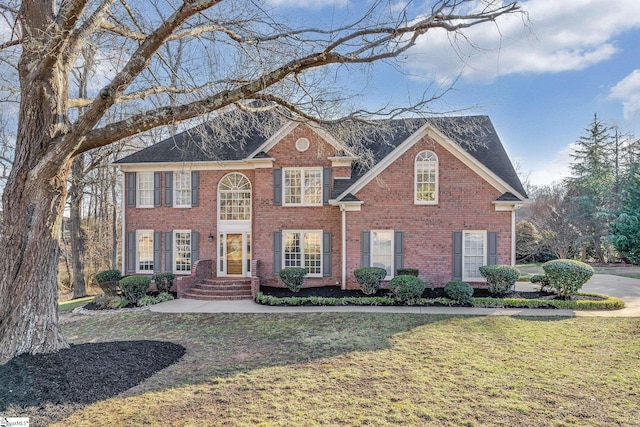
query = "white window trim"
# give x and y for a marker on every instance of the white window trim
(393, 245)
(175, 252)
(415, 181)
(250, 191)
(484, 254)
(138, 198)
(138, 271)
(302, 254)
(302, 187)
(175, 189)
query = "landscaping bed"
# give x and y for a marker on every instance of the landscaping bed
(435, 297)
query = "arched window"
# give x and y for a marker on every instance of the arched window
(234, 198)
(426, 178)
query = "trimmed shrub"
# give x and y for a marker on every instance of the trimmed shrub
(543, 281)
(462, 292)
(369, 278)
(164, 296)
(164, 281)
(567, 276)
(500, 278)
(108, 281)
(293, 277)
(134, 287)
(147, 300)
(408, 272)
(406, 288)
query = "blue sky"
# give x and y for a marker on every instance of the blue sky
(540, 83)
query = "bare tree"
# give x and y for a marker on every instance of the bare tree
(241, 50)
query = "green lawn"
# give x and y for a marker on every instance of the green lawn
(375, 369)
(68, 306)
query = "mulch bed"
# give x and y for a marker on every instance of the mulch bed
(336, 292)
(79, 375)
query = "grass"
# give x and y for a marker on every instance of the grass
(68, 306)
(317, 369)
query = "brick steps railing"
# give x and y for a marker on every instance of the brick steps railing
(220, 289)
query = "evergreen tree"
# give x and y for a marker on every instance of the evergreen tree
(625, 229)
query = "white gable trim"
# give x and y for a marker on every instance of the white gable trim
(289, 127)
(447, 144)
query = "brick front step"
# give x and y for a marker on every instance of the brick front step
(218, 289)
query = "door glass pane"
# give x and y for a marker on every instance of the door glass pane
(234, 254)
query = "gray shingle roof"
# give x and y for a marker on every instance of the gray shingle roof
(244, 132)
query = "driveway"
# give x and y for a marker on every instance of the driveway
(626, 288)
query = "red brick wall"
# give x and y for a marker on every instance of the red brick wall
(464, 204)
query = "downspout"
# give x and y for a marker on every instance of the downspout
(344, 247)
(513, 236)
(124, 232)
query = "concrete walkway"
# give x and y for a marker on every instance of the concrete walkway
(626, 288)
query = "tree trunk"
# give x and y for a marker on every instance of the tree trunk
(76, 234)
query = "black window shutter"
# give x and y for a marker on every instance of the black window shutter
(365, 249)
(398, 250)
(168, 252)
(457, 255)
(157, 189)
(326, 254)
(131, 188)
(157, 251)
(195, 247)
(195, 188)
(277, 252)
(492, 248)
(277, 187)
(326, 185)
(131, 243)
(168, 188)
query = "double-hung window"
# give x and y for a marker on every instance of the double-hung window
(145, 189)
(303, 249)
(144, 251)
(474, 254)
(302, 187)
(382, 250)
(426, 178)
(181, 251)
(182, 189)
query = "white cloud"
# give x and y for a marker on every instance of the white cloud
(628, 91)
(561, 36)
(555, 169)
(308, 4)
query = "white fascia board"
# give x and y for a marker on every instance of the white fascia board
(447, 144)
(264, 163)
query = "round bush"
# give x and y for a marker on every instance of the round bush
(108, 281)
(164, 281)
(500, 278)
(567, 276)
(293, 277)
(134, 287)
(462, 292)
(408, 272)
(406, 288)
(369, 279)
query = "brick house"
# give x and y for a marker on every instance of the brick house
(438, 195)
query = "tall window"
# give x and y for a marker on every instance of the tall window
(182, 189)
(182, 251)
(474, 254)
(382, 250)
(145, 189)
(303, 187)
(144, 252)
(426, 178)
(235, 197)
(303, 249)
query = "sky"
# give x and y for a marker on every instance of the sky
(540, 80)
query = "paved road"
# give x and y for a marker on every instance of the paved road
(626, 288)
